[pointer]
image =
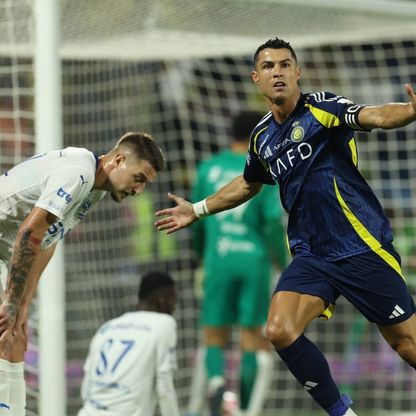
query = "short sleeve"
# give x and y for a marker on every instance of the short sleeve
(334, 110)
(63, 188)
(254, 170)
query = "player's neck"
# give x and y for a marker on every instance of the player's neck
(147, 307)
(100, 175)
(281, 112)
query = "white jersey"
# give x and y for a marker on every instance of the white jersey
(128, 357)
(59, 181)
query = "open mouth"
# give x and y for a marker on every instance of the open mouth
(279, 84)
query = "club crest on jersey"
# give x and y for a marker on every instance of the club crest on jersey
(298, 133)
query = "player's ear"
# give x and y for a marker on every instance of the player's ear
(255, 77)
(298, 72)
(118, 159)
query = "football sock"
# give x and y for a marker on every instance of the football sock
(262, 383)
(214, 361)
(248, 373)
(309, 366)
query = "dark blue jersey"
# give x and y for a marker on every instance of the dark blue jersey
(333, 213)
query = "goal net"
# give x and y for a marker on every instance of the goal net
(180, 70)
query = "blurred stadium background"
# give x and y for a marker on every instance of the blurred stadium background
(179, 69)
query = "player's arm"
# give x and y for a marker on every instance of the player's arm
(391, 115)
(166, 365)
(26, 257)
(168, 401)
(39, 265)
(184, 213)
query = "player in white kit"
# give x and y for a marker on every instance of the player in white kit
(132, 358)
(41, 200)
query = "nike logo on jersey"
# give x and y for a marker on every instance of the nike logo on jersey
(397, 311)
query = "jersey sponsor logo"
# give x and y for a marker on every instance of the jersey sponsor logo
(283, 143)
(303, 150)
(65, 195)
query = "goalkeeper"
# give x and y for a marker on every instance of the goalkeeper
(41, 200)
(339, 236)
(237, 249)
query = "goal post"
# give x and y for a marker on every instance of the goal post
(49, 136)
(180, 70)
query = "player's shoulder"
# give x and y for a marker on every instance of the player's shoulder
(262, 125)
(325, 100)
(79, 155)
(156, 319)
(163, 319)
(77, 162)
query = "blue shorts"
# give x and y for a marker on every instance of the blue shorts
(366, 280)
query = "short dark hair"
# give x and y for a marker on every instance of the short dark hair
(144, 147)
(152, 282)
(274, 43)
(243, 124)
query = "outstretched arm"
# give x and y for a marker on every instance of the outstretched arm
(183, 214)
(390, 116)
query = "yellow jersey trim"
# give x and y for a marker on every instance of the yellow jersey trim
(353, 148)
(255, 140)
(366, 236)
(326, 119)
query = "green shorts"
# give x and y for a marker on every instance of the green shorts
(236, 297)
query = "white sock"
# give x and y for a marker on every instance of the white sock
(262, 383)
(198, 385)
(350, 413)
